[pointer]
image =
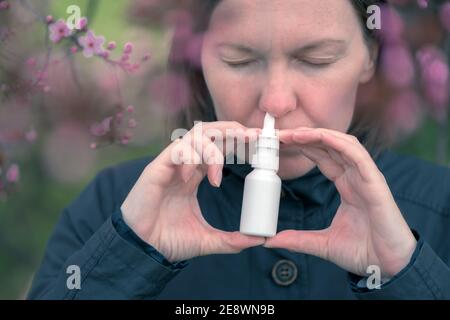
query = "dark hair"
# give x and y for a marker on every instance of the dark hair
(200, 106)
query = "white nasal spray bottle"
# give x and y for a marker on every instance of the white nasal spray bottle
(262, 188)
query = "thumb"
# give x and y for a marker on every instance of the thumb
(310, 242)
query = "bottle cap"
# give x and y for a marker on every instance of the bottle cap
(266, 155)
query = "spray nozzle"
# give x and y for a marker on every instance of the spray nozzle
(269, 125)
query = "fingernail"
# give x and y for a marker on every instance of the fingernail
(218, 178)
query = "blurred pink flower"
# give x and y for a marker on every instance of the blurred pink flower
(4, 5)
(170, 91)
(193, 49)
(422, 3)
(132, 123)
(128, 48)
(392, 25)
(445, 15)
(111, 45)
(13, 173)
(146, 57)
(31, 62)
(126, 137)
(104, 54)
(58, 31)
(31, 135)
(82, 24)
(102, 128)
(91, 44)
(397, 65)
(403, 114)
(435, 79)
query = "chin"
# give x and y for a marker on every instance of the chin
(294, 165)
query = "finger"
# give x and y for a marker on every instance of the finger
(213, 159)
(331, 168)
(187, 159)
(354, 153)
(308, 242)
(213, 153)
(286, 135)
(348, 148)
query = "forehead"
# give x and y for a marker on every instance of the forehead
(297, 19)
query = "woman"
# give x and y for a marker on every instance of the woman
(353, 222)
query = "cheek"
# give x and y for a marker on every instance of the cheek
(329, 101)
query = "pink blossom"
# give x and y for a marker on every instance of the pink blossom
(111, 45)
(119, 118)
(82, 24)
(130, 109)
(146, 57)
(58, 31)
(126, 137)
(422, 3)
(31, 135)
(104, 54)
(91, 44)
(100, 129)
(13, 173)
(74, 49)
(31, 62)
(435, 79)
(397, 65)
(49, 19)
(4, 5)
(404, 113)
(128, 48)
(171, 91)
(392, 25)
(445, 15)
(132, 123)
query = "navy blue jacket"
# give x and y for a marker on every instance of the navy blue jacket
(115, 264)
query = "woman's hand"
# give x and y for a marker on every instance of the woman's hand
(162, 207)
(368, 228)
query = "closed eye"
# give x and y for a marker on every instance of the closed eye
(239, 63)
(246, 63)
(316, 62)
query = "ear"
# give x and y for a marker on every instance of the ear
(370, 64)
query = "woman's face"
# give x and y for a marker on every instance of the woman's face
(299, 60)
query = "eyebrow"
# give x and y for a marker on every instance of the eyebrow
(314, 45)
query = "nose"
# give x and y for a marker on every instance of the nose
(278, 96)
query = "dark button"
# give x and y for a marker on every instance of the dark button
(283, 193)
(284, 272)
